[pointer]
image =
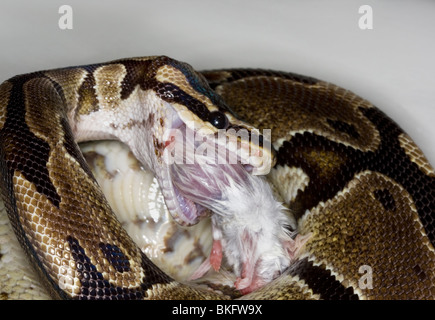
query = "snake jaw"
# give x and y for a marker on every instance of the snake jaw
(191, 142)
(199, 112)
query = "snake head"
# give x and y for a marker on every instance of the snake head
(196, 129)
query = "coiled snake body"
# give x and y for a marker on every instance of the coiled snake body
(351, 177)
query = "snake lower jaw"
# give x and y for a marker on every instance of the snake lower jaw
(196, 163)
(189, 213)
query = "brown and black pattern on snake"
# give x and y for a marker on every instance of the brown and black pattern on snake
(331, 165)
(27, 152)
(39, 191)
(366, 195)
(339, 141)
(95, 286)
(29, 156)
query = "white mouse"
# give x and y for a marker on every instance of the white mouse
(249, 224)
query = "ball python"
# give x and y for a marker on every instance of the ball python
(349, 175)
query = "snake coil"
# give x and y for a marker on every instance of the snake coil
(349, 174)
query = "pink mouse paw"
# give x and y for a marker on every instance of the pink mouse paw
(213, 261)
(246, 285)
(216, 255)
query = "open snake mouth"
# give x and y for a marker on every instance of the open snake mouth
(201, 162)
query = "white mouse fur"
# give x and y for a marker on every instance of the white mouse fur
(249, 224)
(254, 235)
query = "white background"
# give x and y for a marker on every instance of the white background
(392, 65)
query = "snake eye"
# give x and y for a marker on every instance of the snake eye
(218, 119)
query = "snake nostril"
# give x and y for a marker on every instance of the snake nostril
(218, 119)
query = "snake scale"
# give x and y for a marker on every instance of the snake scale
(350, 176)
